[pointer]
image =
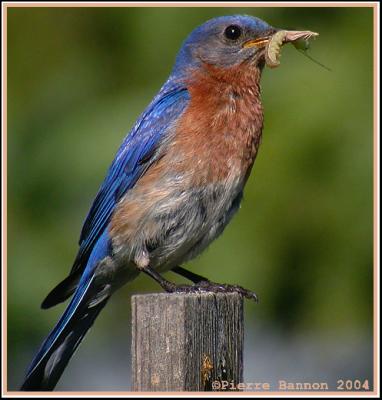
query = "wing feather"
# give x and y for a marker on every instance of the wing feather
(139, 150)
(127, 167)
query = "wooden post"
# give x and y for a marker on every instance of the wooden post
(185, 342)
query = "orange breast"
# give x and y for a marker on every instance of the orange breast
(220, 131)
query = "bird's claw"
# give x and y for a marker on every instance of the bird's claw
(208, 286)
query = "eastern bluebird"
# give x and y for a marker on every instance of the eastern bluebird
(174, 185)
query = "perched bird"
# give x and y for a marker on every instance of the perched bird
(174, 185)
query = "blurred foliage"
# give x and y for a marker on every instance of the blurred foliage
(77, 80)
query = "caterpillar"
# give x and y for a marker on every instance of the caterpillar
(273, 48)
(300, 39)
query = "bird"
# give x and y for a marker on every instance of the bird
(174, 184)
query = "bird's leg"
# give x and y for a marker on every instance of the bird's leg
(165, 284)
(201, 286)
(195, 278)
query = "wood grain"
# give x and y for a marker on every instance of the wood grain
(184, 342)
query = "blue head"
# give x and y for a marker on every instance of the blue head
(224, 42)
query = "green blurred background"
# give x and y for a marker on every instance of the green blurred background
(77, 80)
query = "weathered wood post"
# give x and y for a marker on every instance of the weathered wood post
(185, 342)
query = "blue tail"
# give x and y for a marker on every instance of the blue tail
(57, 349)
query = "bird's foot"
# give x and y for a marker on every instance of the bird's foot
(208, 286)
(201, 285)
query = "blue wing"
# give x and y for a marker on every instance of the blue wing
(132, 159)
(136, 154)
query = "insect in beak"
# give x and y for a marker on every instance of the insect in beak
(274, 43)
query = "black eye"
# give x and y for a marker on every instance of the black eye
(232, 32)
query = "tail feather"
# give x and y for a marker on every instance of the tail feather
(55, 353)
(62, 291)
